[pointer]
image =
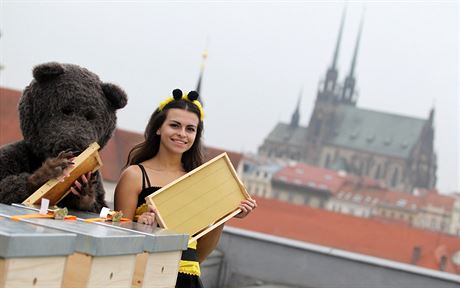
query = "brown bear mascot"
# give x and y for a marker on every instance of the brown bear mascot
(63, 110)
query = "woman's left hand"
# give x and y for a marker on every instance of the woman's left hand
(148, 217)
(246, 207)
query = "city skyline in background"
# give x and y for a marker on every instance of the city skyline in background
(261, 56)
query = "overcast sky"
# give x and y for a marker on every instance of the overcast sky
(261, 55)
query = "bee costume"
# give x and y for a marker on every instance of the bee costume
(189, 267)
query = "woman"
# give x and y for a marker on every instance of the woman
(172, 147)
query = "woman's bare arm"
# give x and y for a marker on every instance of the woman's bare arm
(127, 191)
(208, 243)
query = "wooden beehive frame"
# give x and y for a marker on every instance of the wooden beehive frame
(201, 200)
(54, 190)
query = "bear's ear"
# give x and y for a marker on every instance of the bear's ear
(47, 71)
(116, 96)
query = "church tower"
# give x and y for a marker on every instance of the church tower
(329, 89)
(295, 118)
(395, 150)
(321, 124)
(348, 91)
(422, 163)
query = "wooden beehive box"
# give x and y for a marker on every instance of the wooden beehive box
(200, 200)
(54, 190)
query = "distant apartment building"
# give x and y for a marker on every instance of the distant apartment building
(398, 207)
(431, 211)
(360, 204)
(454, 227)
(435, 212)
(256, 174)
(360, 196)
(300, 183)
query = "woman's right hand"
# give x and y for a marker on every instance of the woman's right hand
(148, 218)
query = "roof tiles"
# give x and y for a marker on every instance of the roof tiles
(382, 239)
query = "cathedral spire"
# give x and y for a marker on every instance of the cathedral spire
(350, 81)
(295, 118)
(431, 117)
(358, 40)
(339, 40)
(200, 78)
(332, 73)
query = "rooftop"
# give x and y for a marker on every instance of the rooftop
(376, 238)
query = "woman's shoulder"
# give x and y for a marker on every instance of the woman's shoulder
(132, 171)
(130, 180)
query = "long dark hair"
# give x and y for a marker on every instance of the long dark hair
(147, 149)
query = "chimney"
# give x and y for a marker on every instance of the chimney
(442, 263)
(416, 253)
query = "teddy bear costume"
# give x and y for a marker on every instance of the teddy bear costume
(63, 110)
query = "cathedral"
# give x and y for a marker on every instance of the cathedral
(394, 149)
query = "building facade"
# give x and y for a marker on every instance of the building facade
(454, 227)
(256, 175)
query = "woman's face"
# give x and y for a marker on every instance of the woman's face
(178, 131)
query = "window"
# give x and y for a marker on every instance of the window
(299, 171)
(283, 178)
(327, 162)
(395, 177)
(401, 202)
(317, 126)
(443, 263)
(377, 172)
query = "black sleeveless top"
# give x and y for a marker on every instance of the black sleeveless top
(146, 188)
(183, 279)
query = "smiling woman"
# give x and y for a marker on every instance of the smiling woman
(172, 147)
(178, 132)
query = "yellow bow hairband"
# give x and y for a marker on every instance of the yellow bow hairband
(191, 97)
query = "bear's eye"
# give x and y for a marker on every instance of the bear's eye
(67, 110)
(90, 115)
